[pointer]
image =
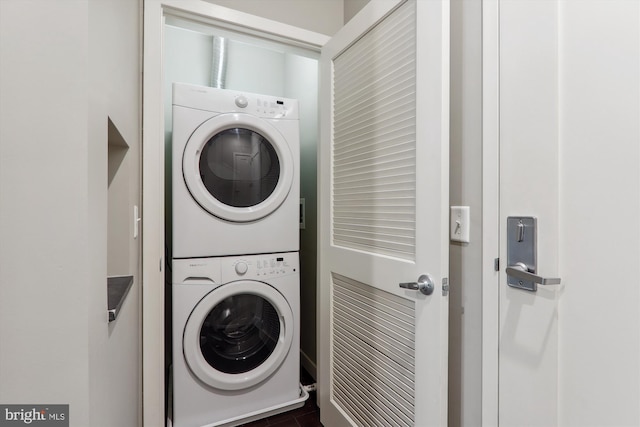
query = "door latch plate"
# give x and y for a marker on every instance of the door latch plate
(522, 248)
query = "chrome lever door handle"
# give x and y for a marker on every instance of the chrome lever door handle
(520, 271)
(424, 285)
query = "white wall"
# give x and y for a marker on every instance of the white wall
(465, 259)
(321, 16)
(115, 352)
(59, 81)
(302, 84)
(44, 223)
(599, 309)
(352, 7)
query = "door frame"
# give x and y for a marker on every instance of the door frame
(153, 186)
(153, 254)
(490, 209)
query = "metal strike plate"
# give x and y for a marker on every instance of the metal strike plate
(522, 249)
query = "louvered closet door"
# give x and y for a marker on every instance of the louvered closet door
(384, 169)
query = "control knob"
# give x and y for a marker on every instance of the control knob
(242, 101)
(241, 268)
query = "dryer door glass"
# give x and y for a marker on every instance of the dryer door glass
(239, 167)
(239, 333)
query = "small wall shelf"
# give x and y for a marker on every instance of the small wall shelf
(118, 221)
(118, 288)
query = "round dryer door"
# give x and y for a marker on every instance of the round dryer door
(238, 167)
(238, 335)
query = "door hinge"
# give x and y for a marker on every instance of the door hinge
(445, 286)
(496, 264)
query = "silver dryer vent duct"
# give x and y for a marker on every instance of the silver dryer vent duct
(219, 62)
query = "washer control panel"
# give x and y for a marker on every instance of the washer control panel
(259, 267)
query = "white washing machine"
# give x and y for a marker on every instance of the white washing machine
(236, 346)
(236, 178)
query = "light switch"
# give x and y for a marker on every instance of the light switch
(460, 224)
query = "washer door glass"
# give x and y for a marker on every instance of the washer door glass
(238, 335)
(238, 167)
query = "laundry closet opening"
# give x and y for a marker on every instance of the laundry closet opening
(206, 55)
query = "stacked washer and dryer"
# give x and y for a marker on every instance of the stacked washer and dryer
(235, 270)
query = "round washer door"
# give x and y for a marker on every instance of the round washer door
(238, 167)
(238, 335)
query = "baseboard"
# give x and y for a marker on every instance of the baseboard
(309, 365)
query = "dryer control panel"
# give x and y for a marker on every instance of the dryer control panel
(275, 108)
(232, 101)
(259, 267)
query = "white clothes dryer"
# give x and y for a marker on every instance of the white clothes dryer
(236, 177)
(236, 345)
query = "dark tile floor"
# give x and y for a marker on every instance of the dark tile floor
(306, 416)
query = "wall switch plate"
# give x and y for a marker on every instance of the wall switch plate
(136, 222)
(460, 223)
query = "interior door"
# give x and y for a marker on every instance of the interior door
(384, 191)
(568, 137)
